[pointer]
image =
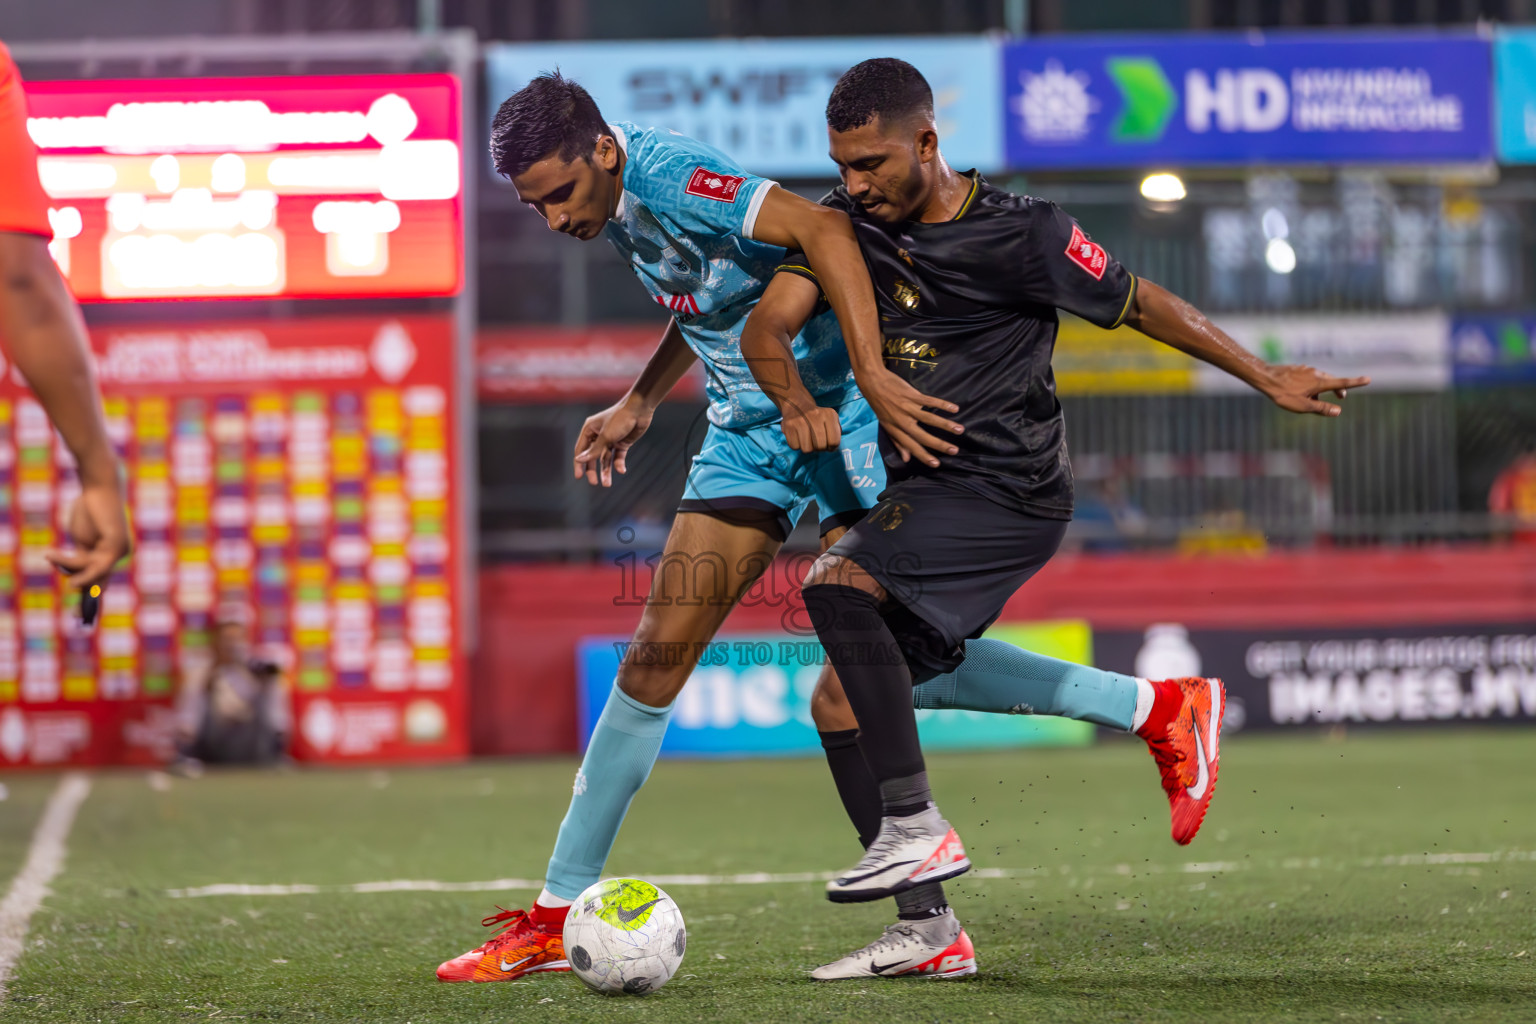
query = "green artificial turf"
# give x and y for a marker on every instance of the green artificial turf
(1378, 877)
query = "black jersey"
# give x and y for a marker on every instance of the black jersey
(968, 313)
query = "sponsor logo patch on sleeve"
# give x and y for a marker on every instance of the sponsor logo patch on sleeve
(1087, 253)
(710, 184)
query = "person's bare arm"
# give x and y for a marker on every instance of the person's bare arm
(41, 329)
(1160, 314)
(830, 246)
(767, 344)
(607, 436)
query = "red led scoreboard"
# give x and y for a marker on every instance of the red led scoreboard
(303, 469)
(300, 187)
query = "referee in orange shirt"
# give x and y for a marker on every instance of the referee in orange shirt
(42, 332)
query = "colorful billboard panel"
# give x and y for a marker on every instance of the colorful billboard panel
(304, 472)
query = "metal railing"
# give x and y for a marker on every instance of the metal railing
(1153, 471)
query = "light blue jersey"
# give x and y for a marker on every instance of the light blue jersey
(685, 224)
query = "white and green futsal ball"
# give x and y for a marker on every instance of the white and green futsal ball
(624, 936)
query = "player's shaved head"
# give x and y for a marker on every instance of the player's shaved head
(550, 116)
(885, 88)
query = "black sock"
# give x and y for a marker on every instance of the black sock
(903, 797)
(861, 799)
(921, 902)
(856, 787)
(874, 675)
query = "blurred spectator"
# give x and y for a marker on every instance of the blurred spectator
(238, 711)
(1106, 519)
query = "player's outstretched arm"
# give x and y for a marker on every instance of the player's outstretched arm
(1160, 314)
(43, 334)
(607, 436)
(830, 246)
(767, 344)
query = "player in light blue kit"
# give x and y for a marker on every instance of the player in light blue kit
(705, 237)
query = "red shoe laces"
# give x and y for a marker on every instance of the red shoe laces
(1168, 758)
(513, 923)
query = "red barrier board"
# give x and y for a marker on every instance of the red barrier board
(299, 186)
(533, 616)
(304, 470)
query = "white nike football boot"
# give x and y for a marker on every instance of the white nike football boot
(935, 948)
(907, 852)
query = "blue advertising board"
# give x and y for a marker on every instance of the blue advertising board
(1183, 101)
(1491, 348)
(764, 101)
(1514, 75)
(751, 696)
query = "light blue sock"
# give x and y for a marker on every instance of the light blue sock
(1002, 678)
(619, 758)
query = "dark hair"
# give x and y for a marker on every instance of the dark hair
(884, 87)
(548, 116)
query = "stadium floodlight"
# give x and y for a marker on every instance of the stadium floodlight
(1163, 187)
(1279, 256)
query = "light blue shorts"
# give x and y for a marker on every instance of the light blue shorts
(756, 471)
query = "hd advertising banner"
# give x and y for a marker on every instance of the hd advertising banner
(763, 101)
(751, 696)
(1286, 98)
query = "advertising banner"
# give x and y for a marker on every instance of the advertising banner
(302, 471)
(1185, 101)
(1092, 361)
(300, 187)
(1399, 352)
(763, 101)
(751, 696)
(1490, 348)
(1514, 73)
(554, 364)
(1363, 676)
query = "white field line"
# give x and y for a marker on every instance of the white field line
(766, 878)
(45, 858)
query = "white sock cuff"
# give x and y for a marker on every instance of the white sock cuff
(551, 901)
(1144, 698)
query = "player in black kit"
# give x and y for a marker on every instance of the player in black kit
(968, 279)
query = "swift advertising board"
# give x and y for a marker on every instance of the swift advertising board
(1276, 98)
(299, 187)
(763, 101)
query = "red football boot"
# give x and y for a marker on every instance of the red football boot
(1183, 732)
(525, 943)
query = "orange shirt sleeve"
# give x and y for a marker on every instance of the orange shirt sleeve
(23, 203)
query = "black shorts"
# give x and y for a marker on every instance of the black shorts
(950, 559)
